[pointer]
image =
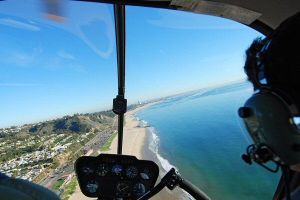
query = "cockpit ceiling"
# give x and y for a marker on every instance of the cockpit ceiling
(268, 13)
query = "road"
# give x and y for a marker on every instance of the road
(67, 168)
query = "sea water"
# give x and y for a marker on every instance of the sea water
(202, 136)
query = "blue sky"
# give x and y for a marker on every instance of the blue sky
(49, 69)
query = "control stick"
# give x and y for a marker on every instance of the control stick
(171, 180)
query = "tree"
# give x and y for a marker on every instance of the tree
(33, 129)
(75, 127)
(60, 124)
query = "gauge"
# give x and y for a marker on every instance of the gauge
(139, 189)
(87, 170)
(123, 189)
(145, 174)
(102, 169)
(117, 169)
(92, 186)
(132, 172)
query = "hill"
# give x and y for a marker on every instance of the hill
(78, 123)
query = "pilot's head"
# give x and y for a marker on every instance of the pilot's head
(271, 114)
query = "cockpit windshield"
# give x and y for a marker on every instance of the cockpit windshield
(184, 84)
(46, 61)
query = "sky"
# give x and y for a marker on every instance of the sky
(49, 68)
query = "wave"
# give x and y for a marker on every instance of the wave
(142, 123)
(154, 147)
(165, 165)
(163, 162)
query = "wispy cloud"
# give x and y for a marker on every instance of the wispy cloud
(37, 58)
(74, 67)
(57, 63)
(65, 55)
(21, 58)
(18, 24)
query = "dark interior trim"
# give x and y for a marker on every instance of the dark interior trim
(257, 25)
(261, 27)
(144, 3)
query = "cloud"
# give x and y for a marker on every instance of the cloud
(65, 55)
(17, 58)
(57, 60)
(21, 58)
(18, 24)
(57, 63)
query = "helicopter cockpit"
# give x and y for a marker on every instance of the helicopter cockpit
(109, 176)
(117, 175)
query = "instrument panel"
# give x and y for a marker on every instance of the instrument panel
(110, 176)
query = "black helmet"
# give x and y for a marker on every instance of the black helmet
(271, 114)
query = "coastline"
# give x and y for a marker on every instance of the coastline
(134, 143)
(134, 137)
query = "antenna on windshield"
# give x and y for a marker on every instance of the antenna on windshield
(120, 103)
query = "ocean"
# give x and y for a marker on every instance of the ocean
(202, 136)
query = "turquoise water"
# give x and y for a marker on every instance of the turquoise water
(202, 135)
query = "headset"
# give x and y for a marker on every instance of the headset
(271, 117)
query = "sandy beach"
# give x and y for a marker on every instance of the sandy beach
(134, 141)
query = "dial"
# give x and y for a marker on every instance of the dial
(145, 174)
(117, 169)
(102, 169)
(139, 189)
(123, 189)
(132, 172)
(92, 186)
(87, 170)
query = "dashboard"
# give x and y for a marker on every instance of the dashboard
(110, 176)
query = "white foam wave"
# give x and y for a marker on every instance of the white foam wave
(187, 195)
(154, 140)
(154, 145)
(143, 123)
(164, 163)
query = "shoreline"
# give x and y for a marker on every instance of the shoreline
(134, 137)
(134, 143)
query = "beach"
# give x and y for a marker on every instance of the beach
(134, 143)
(201, 135)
